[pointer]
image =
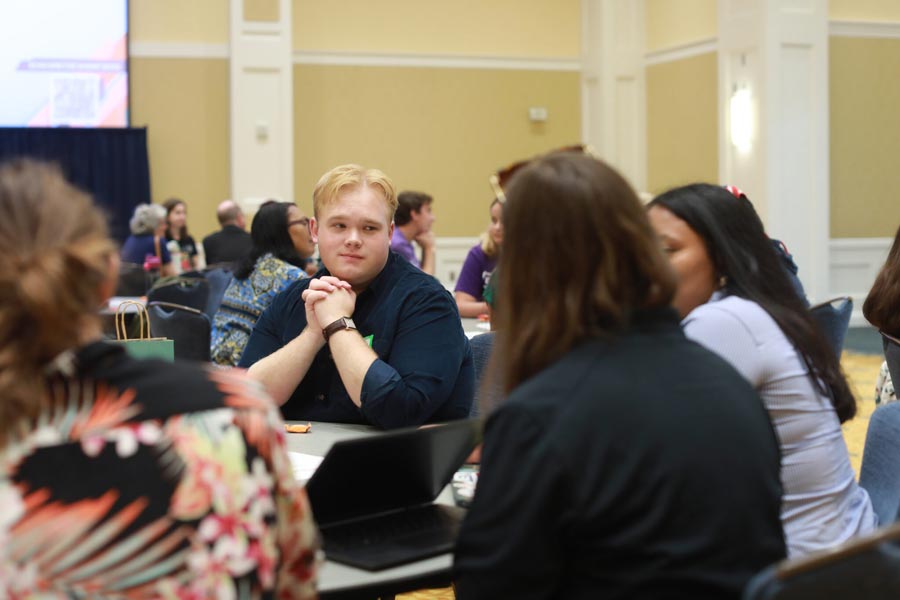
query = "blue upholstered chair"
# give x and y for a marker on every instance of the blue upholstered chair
(187, 327)
(183, 290)
(482, 345)
(867, 568)
(880, 470)
(833, 317)
(219, 279)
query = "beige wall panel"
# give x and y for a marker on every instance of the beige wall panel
(676, 22)
(262, 10)
(864, 10)
(514, 28)
(442, 131)
(193, 21)
(184, 104)
(682, 123)
(865, 137)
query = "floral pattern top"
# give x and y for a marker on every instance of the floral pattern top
(884, 386)
(144, 479)
(244, 301)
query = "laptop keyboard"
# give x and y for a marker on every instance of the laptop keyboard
(432, 522)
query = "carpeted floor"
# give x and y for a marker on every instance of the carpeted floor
(861, 370)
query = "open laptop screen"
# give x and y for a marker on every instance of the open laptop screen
(389, 471)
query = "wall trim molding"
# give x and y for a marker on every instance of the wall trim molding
(438, 61)
(681, 51)
(304, 57)
(178, 50)
(864, 29)
(852, 267)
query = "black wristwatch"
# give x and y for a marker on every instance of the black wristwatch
(340, 324)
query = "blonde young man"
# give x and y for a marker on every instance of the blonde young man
(373, 339)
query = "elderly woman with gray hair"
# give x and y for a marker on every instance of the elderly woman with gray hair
(146, 242)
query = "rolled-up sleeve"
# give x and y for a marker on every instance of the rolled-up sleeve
(425, 363)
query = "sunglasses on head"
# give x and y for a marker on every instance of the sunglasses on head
(500, 180)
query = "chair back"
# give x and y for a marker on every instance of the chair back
(186, 291)
(867, 568)
(482, 345)
(187, 327)
(219, 279)
(879, 474)
(891, 347)
(833, 317)
(133, 280)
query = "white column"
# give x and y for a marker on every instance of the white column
(613, 93)
(773, 57)
(262, 108)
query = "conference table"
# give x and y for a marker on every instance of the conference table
(473, 327)
(343, 582)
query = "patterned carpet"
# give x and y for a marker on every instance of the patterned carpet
(861, 370)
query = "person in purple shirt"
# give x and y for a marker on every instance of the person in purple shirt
(412, 222)
(479, 265)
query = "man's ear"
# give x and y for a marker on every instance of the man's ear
(314, 230)
(391, 230)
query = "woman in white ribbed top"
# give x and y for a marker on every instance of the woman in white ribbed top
(735, 298)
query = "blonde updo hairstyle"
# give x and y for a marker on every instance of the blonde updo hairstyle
(54, 256)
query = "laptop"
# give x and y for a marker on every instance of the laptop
(373, 497)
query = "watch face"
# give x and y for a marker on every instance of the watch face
(349, 323)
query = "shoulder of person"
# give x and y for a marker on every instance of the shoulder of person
(729, 309)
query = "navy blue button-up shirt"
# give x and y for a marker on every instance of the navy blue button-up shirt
(424, 372)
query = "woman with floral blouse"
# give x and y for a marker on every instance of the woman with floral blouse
(122, 478)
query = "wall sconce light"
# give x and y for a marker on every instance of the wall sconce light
(741, 118)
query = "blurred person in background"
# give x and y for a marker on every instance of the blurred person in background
(118, 477)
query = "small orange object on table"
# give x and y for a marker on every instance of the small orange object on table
(298, 428)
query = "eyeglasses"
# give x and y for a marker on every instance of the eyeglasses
(500, 179)
(304, 221)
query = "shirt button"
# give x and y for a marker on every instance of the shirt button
(320, 397)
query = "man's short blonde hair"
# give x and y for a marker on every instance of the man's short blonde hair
(345, 177)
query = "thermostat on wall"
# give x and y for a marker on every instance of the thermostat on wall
(537, 114)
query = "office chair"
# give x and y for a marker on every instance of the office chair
(833, 317)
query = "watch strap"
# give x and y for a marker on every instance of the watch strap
(339, 325)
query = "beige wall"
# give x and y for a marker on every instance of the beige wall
(512, 28)
(865, 137)
(184, 103)
(195, 21)
(677, 22)
(442, 131)
(864, 10)
(682, 122)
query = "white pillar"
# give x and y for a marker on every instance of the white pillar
(262, 107)
(613, 93)
(773, 55)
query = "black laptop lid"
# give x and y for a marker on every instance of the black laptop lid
(387, 471)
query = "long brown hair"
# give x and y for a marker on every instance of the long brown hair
(882, 305)
(579, 259)
(54, 253)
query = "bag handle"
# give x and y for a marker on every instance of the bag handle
(142, 316)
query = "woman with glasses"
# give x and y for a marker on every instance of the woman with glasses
(626, 461)
(281, 246)
(124, 478)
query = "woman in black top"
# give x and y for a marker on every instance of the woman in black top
(627, 462)
(176, 229)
